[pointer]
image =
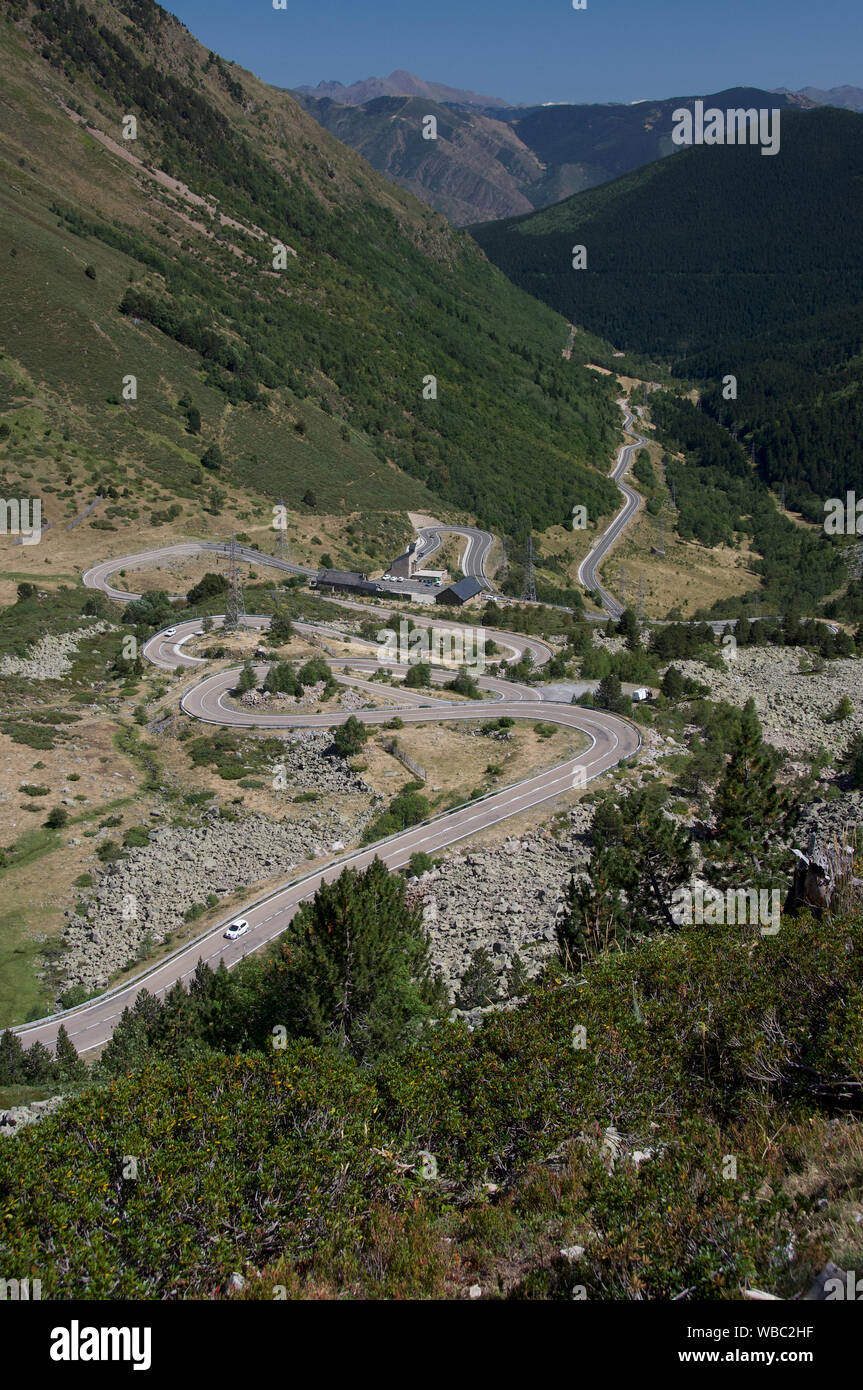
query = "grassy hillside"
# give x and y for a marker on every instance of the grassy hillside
(154, 257)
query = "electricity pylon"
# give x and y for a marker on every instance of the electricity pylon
(235, 602)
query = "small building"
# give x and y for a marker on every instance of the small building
(457, 594)
(344, 581)
(405, 565)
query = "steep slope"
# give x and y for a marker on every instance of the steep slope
(500, 162)
(153, 257)
(477, 167)
(717, 241)
(730, 264)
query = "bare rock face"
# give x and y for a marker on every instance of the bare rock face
(823, 878)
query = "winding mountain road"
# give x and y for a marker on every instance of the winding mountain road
(479, 543)
(633, 500)
(610, 740)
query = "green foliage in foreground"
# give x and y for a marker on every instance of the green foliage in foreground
(308, 1167)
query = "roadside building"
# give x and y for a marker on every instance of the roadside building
(457, 594)
(404, 566)
(344, 581)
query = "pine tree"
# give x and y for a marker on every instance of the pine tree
(852, 761)
(594, 917)
(131, 1041)
(672, 684)
(38, 1065)
(479, 983)
(68, 1066)
(628, 628)
(517, 978)
(11, 1059)
(281, 629)
(418, 675)
(282, 679)
(640, 857)
(350, 737)
(247, 678)
(609, 694)
(353, 969)
(753, 816)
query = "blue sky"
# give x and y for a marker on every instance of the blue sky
(542, 50)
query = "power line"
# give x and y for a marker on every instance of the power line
(235, 602)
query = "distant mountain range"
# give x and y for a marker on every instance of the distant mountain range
(398, 84)
(851, 98)
(495, 161)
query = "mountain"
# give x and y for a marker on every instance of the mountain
(851, 98)
(496, 163)
(281, 307)
(716, 242)
(478, 167)
(398, 84)
(723, 262)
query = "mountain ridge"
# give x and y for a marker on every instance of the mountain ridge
(399, 83)
(487, 164)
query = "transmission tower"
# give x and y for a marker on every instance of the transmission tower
(529, 588)
(621, 583)
(235, 603)
(782, 497)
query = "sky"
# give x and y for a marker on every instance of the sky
(530, 51)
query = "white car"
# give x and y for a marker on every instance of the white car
(170, 632)
(238, 928)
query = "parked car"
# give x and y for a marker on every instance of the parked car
(236, 929)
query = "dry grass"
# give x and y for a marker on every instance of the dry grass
(457, 760)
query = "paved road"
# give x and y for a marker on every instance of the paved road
(632, 502)
(610, 739)
(99, 576)
(479, 543)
